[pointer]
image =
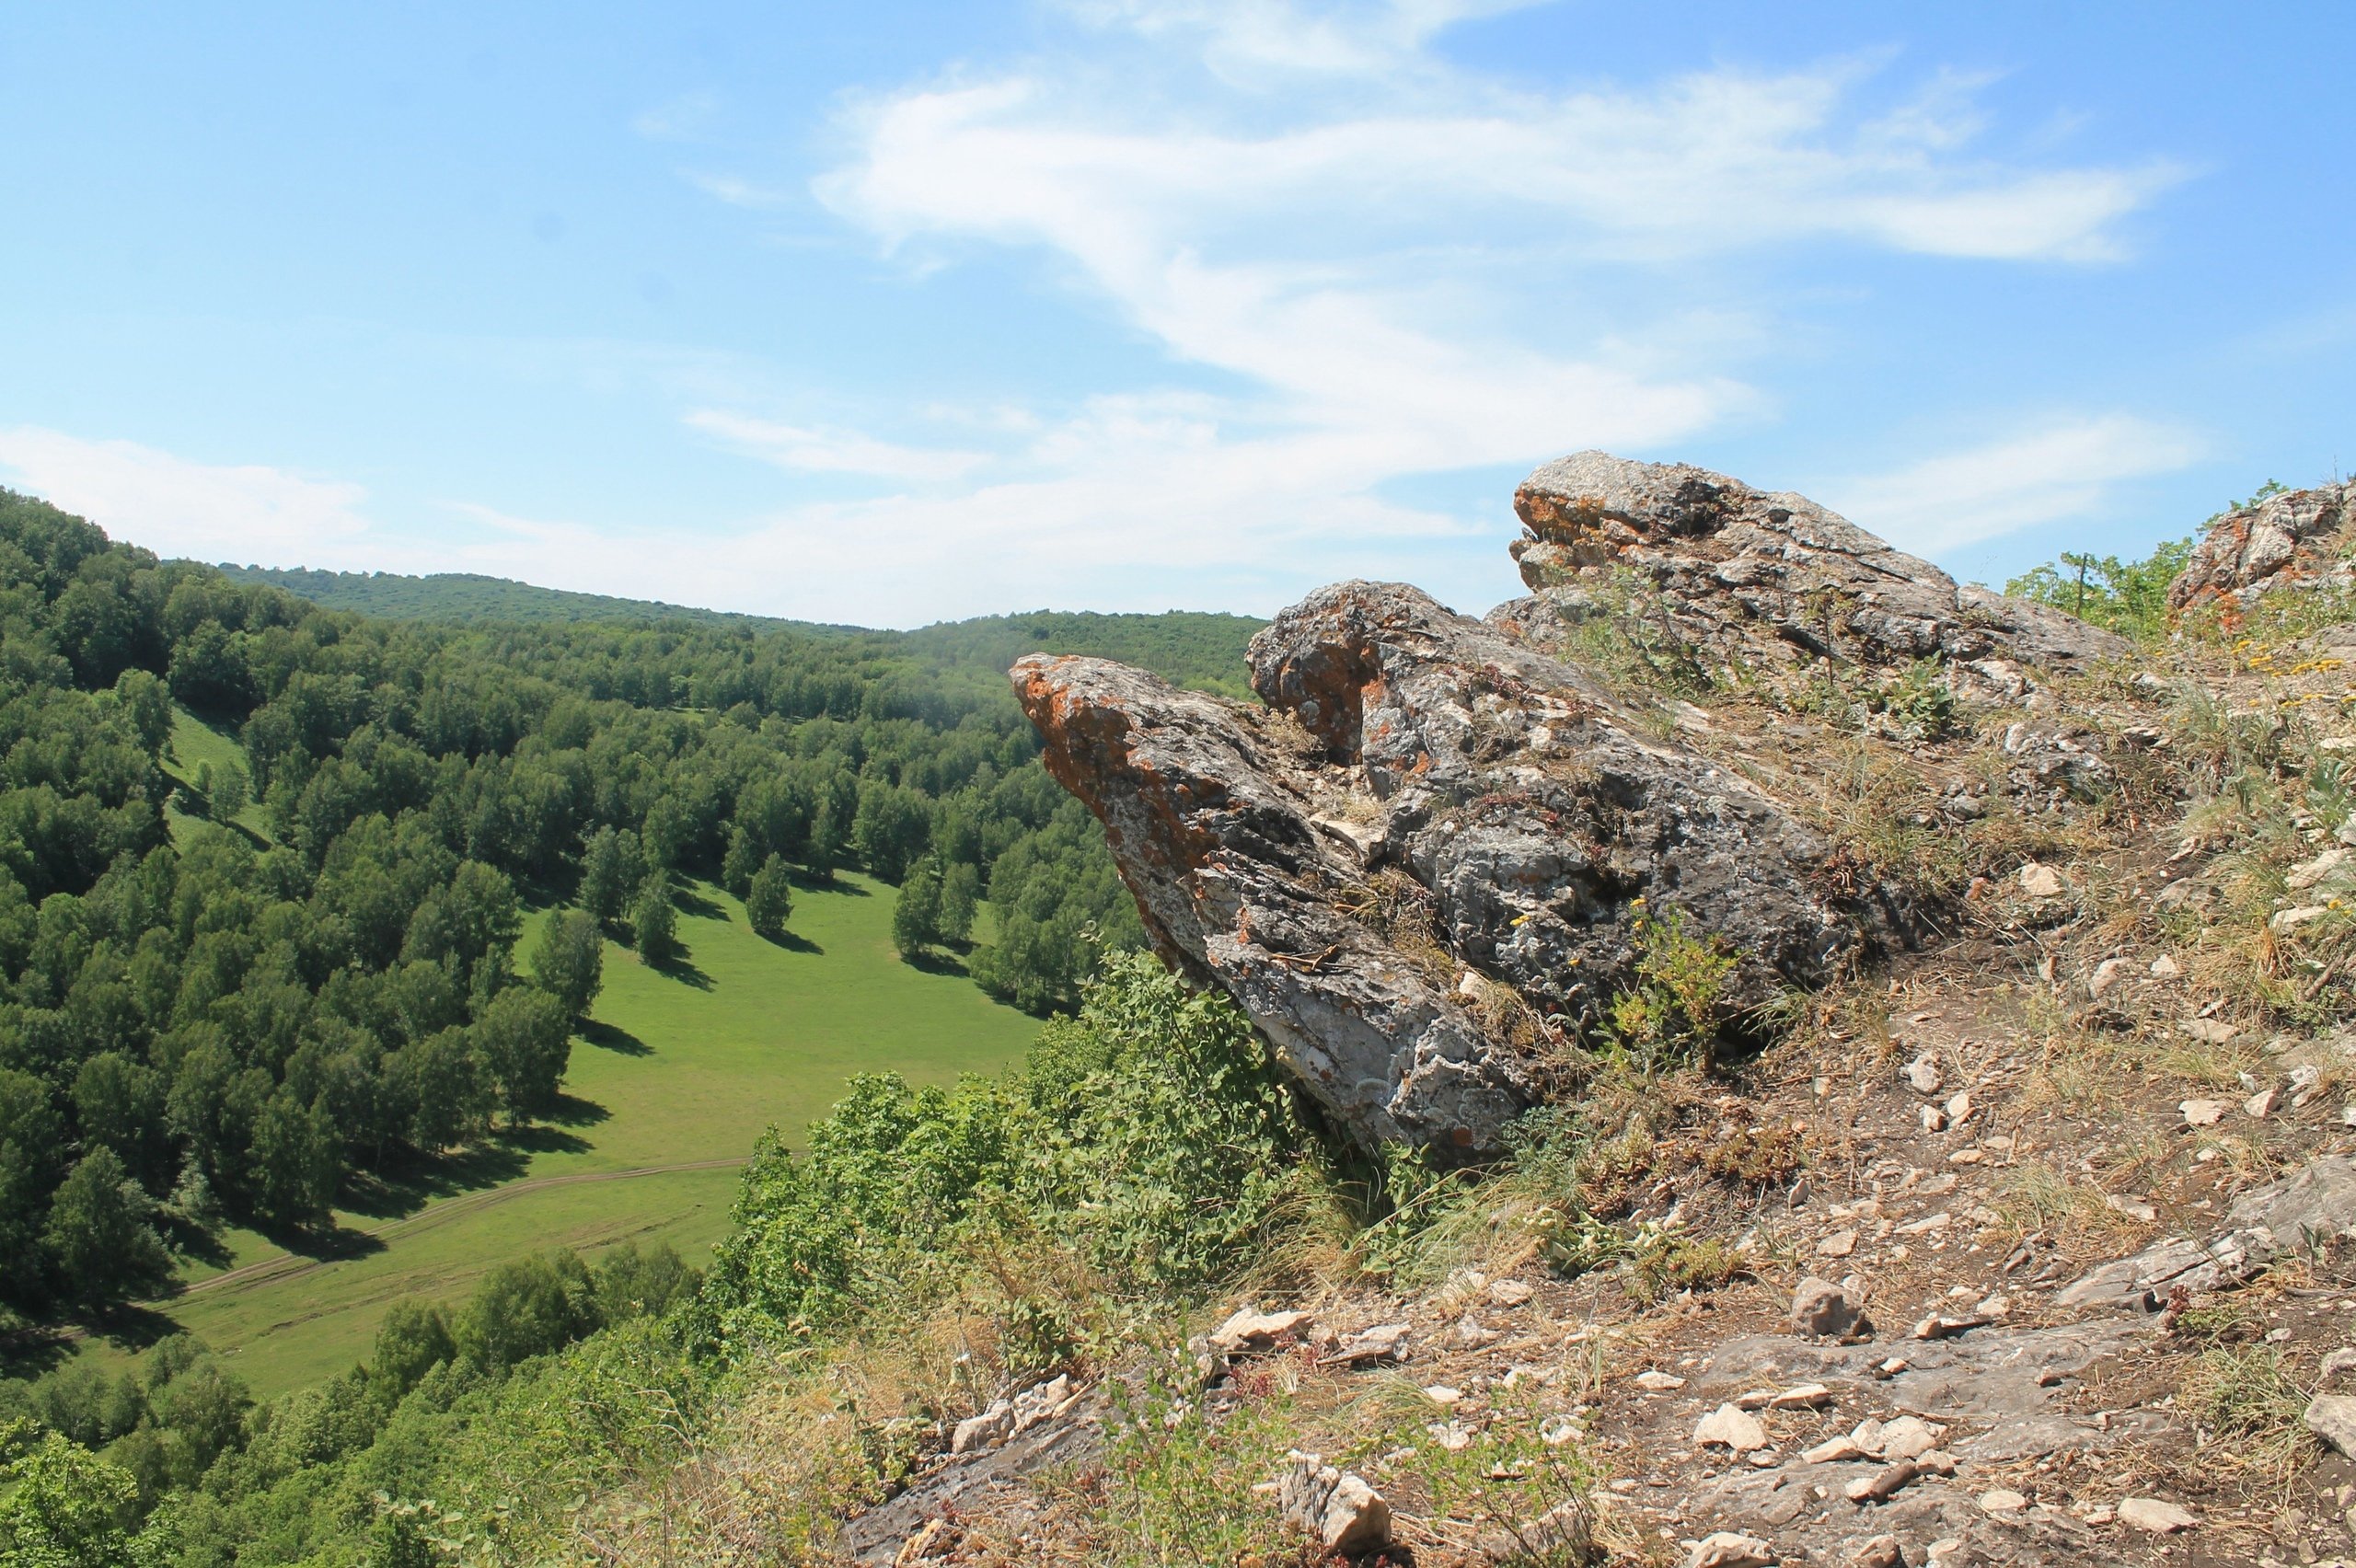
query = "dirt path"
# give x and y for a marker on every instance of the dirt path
(288, 1265)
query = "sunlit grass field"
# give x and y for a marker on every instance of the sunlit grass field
(683, 1066)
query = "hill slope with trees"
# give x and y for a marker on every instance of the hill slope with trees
(204, 1021)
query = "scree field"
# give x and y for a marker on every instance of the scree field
(669, 1088)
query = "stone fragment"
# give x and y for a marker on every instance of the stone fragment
(1442, 1394)
(1727, 1549)
(2208, 1031)
(2040, 881)
(2154, 1515)
(2202, 1112)
(1804, 1396)
(2332, 1417)
(1385, 1341)
(1654, 1380)
(1335, 1508)
(1958, 1108)
(1934, 1119)
(1473, 1335)
(1509, 1293)
(1049, 1399)
(1839, 1244)
(1908, 1437)
(2106, 976)
(1833, 1451)
(1878, 1551)
(1249, 1330)
(2336, 1362)
(2261, 1104)
(992, 1426)
(1730, 1426)
(2292, 920)
(2132, 1208)
(1883, 1484)
(2002, 1501)
(1821, 1310)
(2166, 968)
(2306, 873)
(1923, 1073)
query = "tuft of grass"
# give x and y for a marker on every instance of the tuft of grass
(2249, 1409)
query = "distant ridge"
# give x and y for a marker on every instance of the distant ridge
(470, 596)
(1194, 648)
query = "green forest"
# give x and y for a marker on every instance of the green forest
(227, 992)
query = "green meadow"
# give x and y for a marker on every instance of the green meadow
(675, 1079)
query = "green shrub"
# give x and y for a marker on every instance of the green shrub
(1673, 1013)
(1149, 1133)
(2130, 597)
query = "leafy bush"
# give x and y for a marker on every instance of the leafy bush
(2130, 597)
(1675, 1010)
(1149, 1133)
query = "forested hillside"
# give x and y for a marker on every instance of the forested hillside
(204, 1021)
(1192, 647)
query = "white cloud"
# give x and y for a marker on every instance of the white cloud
(241, 513)
(833, 451)
(1246, 38)
(2065, 469)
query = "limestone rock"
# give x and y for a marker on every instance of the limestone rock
(1527, 863)
(2249, 550)
(992, 1426)
(1385, 1341)
(1821, 1310)
(1883, 1484)
(2153, 1515)
(1249, 1330)
(2332, 1417)
(1728, 1549)
(2040, 880)
(1730, 1426)
(2317, 1201)
(1744, 578)
(1880, 1551)
(1335, 1508)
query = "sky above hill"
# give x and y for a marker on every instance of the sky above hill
(891, 312)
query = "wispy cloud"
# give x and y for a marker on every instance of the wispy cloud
(241, 512)
(833, 451)
(2063, 468)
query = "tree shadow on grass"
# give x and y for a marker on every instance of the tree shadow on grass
(402, 1190)
(792, 942)
(687, 901)
(607, 1037)
(683, 969)
(28, 1351)
(538, 1138)
(934, 962)
(571, 1110)
(816, 882)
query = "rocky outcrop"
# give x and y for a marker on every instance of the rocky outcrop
(1429, 865)
(2256, 547)
(1745, 580)
(1521, 818)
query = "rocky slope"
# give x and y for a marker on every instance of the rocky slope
(1941, 1011)
(1429, 864)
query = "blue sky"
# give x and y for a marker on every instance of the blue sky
(896, 313)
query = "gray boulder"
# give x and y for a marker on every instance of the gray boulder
(1750, 581)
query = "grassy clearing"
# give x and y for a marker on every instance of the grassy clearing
(678, 1067)
(194, 744)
